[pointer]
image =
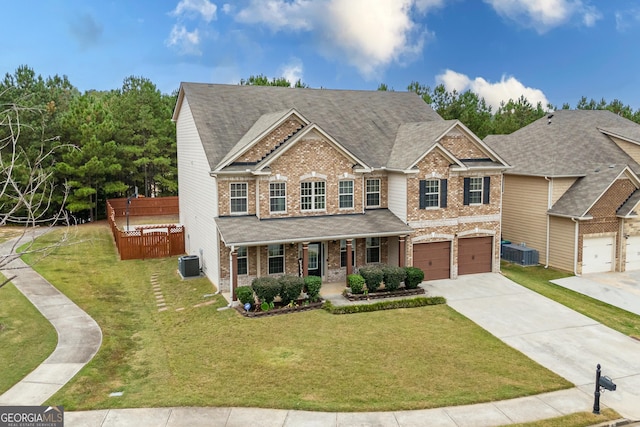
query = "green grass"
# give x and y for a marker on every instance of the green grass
(26, 337)
(579, 419)
(195, 355)
(538, 280)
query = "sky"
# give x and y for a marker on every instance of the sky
(550, 51)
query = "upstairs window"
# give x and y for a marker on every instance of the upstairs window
(433, 193)
(373, 193)
(278, 197)
(477, 190)
(345, 191)
(238, 191)
(312, 195)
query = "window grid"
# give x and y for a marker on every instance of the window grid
(276, 259)
(345, 191)
(243, 264)
(312, 195)
(238, 192)
(373, 192)
(432, 193)
(373, 249)
(277, 197)
(475, 191)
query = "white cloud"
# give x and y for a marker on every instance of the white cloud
(292, 71)
(187, 42)
(626, 19)
(196, 7)
(543, 15)
(493, 93)
(369, 35)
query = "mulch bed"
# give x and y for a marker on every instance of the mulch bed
(384, 294)
(278, 309)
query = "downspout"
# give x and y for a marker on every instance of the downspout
(233, 248)
(547, 244)
(621, 239)
(575, 248)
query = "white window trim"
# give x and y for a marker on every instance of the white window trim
(313, 196)
(244, 257)
(437, 205)
(246, 198)
(367, 192)
(481, 191)
(283, 256)
(285, 198)
(353, 204)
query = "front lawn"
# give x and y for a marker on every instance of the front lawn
(193, 354)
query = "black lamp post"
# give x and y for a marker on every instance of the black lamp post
(596, 400)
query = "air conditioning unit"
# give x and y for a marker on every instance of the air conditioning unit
(189, 266)
(520, 254)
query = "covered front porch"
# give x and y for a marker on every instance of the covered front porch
(329, 246)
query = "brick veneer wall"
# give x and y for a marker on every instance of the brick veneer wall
(262, 147)
(605, 222)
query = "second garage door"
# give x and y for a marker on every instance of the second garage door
(597, 254)
(633, 253)
(434, 259)
(474, 255)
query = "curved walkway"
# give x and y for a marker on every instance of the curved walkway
(79, 336)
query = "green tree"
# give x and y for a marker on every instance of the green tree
(514, 115)
(262, 80)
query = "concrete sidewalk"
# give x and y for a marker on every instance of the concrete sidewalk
(79, 336)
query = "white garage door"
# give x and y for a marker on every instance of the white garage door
(597, 254)
(633, 253)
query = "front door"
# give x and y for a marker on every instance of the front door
(315, 259)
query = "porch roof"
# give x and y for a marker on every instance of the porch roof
(251, 231)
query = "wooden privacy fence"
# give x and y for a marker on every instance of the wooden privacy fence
(146, 241)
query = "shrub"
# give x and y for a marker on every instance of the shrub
(356, 283)
(245, 294)
(383, 305)
(312, 285)
(373, 276)
(266, 288)
(393, 276)
(291, 288)
(415, 276)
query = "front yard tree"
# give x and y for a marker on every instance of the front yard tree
(27, 183)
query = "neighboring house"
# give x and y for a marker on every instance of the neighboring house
(572, 193)
(320, 182)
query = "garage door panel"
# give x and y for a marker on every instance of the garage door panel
(633, 253)
(474, 255)
(434, 259)
(597, 254)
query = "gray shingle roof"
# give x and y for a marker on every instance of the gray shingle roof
(249, 230)
(570, 145)
(631, 132)
(579, 198)
(413, 140)
(628, 208)
(364, 122)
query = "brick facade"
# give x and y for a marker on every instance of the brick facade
(269, 142)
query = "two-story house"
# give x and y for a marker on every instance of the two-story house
(573, 190)
(320, 182)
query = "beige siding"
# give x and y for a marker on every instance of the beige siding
(559, 186)
(562, 243)
(198, 196)
(398, 195)
(631, 149)
(524, 212)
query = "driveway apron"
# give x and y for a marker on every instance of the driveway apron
(556, 337)
(79, 337)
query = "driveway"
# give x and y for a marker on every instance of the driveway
(618, 289)
(558, 338)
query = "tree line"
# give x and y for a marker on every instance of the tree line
(88, 147)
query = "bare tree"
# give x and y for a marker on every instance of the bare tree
(30, 201)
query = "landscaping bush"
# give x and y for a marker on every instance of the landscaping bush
(291, 288)
(383, 305)
(393, 276)
(245, 294)
(356, 283)
(312, 285)
(266, 288)
(373, 276)
(414, 277)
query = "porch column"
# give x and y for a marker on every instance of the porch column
(349, 256)
(305, 259)
(234, 273)
(402, 252)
